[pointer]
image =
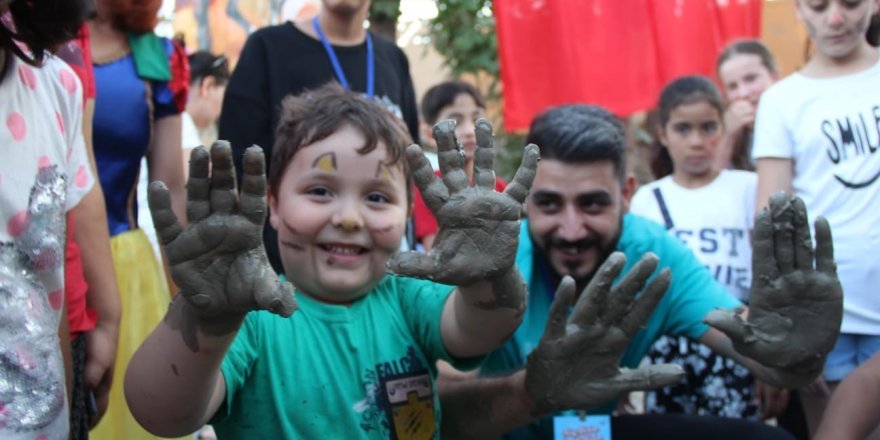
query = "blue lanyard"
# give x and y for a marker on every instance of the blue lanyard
(337, 68)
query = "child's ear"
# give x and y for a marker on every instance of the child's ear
(661, 134)
(205, 85)
(273, 209)
(426, 132)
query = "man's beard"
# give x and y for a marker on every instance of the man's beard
(594, 241)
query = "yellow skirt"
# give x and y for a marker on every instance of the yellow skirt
(144, 297)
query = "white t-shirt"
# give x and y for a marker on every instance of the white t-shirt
(713, 221)
(43, 174)
(830, 129)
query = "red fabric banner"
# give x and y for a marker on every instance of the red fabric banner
(615, 53)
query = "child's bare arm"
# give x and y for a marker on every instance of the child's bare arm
(173, 383)
(475, 247)
(854, 409)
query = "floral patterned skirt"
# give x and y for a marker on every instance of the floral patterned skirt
(713, 384)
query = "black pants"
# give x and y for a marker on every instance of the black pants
(686, 426)
(79, 416)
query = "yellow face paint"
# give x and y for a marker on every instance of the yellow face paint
(383, 172)
(326, 162)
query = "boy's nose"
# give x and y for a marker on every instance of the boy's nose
(348, 220)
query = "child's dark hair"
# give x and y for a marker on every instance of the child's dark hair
(444, 94)
(317, 114)
(203, 64)
(681, 91)
(42, 26)
(873, 33)
(747, 47)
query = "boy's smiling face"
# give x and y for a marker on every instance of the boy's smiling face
(340, 215)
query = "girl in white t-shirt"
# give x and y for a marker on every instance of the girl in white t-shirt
(710, 210)
(817, 134)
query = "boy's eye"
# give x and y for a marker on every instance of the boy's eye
(682, 129)
(318, 191)
(377, 198)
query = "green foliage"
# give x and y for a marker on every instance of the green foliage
(385, 10)
(464, 33)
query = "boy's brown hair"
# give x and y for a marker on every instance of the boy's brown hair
(316, 114)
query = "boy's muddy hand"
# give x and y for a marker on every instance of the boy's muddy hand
(479, 227)
(577, 362)
(795, 308)
(218, 260)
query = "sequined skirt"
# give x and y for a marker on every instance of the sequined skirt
(144, 297)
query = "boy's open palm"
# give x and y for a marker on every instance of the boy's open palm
(577, 363)
(218, 260)
(795, 308)
(478, 227)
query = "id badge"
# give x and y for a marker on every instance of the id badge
(574, 428)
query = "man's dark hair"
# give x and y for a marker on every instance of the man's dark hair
(580, 133)
(443, 95)
(317, 114)
(42, 26)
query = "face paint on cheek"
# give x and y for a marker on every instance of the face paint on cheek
(292, 232)
(387, 234)
(325, 162)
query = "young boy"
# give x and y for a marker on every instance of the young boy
(357, 359)
(464, 104)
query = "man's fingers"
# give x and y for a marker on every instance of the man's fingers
(783, 231)
(803, 245)
(645, 304)
(623, 295)
(522, 182)
(764, 267)
(730, 323)
(432, 189)
(484, 156)
(649, 377)
(450, 156)
(223, 193)
(253, 186)
(198, 185)
(412, 264)
(593, 299)
(166, 223)
(559, 309)
(824, 248)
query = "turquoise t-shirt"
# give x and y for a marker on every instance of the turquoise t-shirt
(691, 295)
(361, 371)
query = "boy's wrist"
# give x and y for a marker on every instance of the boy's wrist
(505, 290)
(195, 326)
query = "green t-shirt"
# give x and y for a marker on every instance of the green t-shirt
(360, 371)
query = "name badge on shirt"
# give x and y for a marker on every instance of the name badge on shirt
(588, 428)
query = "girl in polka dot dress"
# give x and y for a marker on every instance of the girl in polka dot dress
(43, 174)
